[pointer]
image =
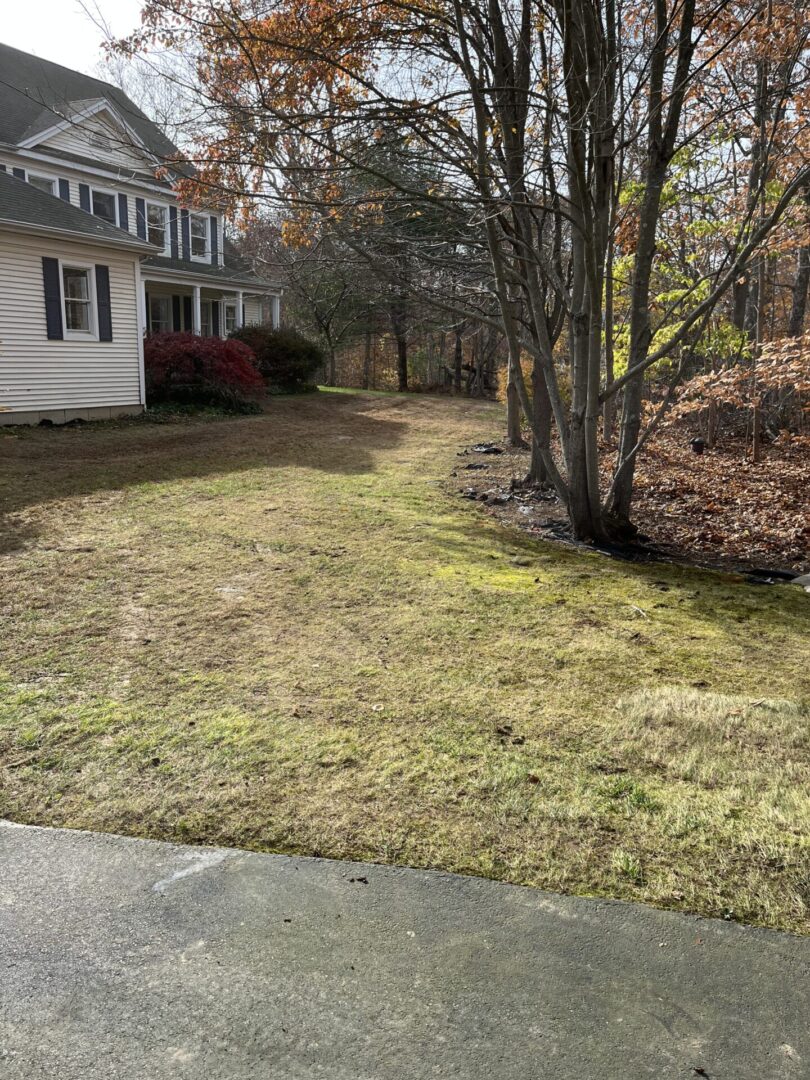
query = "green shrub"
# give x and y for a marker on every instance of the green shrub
(286, 359)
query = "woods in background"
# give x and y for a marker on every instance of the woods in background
(375, 333)
(618, 194)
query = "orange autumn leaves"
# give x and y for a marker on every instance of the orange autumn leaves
(782, 365)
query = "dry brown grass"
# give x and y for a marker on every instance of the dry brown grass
(283, 632)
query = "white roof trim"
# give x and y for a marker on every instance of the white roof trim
(168, 276)
(70, 166)
(96, 107)
(140, 247)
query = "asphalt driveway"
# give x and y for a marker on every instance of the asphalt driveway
(134, 959)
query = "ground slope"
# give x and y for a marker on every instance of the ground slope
(287, 633)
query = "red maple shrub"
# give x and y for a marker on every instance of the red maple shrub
(186, 369)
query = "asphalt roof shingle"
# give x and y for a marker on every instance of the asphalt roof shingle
(22, 204)
(33, 90)
(237, 270)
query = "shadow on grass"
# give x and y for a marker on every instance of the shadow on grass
(337, 433)
(484, 546)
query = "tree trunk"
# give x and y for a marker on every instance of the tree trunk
(640, 337)
(331, 381)
(609, 410)
(513, 425)
(579, 503)
(801, 282)
(398, 323)
(711, 425)
(756, 419)
(538, 474)
(402, 363)
(756, 313)
(458, 358)
(662, 138)
(367, 359)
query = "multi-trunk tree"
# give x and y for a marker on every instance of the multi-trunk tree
(549, 134)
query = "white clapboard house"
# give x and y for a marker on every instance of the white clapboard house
(95, 249)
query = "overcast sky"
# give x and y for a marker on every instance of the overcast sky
(60, 30)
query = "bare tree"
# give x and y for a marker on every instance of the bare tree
(551, 130)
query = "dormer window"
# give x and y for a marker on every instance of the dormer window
(104, 206)
(199, 238)
(157, 224)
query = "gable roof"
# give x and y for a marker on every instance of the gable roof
(38, 212)
(75, 112)
(36, 95)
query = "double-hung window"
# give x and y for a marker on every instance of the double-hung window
(78, 300)
(157, 225)
(230, 318)
(103, 204)
(78, 295)
(160, 314)
(199, 238)
(43, 183)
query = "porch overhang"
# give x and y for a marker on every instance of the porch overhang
(201, 303)
(208, 281)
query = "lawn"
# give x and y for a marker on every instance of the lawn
(288, 633)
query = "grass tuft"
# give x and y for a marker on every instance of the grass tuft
(288, 633)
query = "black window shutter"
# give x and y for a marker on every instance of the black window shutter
(19, 173)
(187, 316)
(53, 298)
(214, 240)
(176, 312)
(148, 327)
(185, 231)
(84, 198)
(215, 317)
(64, 190)
(103, 302)
(140, 218)
(123, 212)
(173, 232)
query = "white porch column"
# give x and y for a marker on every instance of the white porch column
(275, 311)
(196, 311)
(143, 323)
(140, 293)
(239, 305)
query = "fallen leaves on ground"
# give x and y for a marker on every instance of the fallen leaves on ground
(713, 509)
(721, 507)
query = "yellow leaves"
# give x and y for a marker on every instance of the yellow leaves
(296, 232)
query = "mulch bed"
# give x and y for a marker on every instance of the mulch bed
(717, 509)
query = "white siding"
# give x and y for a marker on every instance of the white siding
(253, 310)
(36, 373)
(76, 139)
(122, 184)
